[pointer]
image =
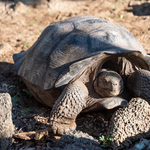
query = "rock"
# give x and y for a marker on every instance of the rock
(143, 144)
(6, 124)
(77, 140)
(130, 123)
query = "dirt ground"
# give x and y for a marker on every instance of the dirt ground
(21, 25)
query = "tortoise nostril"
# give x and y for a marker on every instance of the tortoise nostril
(115, 84)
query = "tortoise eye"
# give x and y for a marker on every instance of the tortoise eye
(105, 81)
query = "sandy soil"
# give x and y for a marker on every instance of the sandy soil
(21, 25)
(21, 28)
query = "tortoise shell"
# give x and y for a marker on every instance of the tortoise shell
(68, 47)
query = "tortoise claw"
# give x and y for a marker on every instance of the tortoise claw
(61, 128)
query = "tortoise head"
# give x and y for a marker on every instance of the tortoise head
(108, 83)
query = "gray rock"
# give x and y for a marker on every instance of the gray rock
(6, 124)
(143, 144)
(130, 123)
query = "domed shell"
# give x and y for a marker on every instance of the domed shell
(70, 46)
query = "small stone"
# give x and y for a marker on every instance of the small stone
(143, 144)
(29, 127)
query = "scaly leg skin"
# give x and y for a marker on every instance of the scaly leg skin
(139, 84)
(69, 104)
(104, 103)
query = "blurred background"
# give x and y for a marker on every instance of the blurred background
(23, 21)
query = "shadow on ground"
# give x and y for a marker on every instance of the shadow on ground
(140, 10)
(77, 140)
(26, 2)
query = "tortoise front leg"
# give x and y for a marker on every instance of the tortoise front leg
(94, 104)
(139, 84)
(69, 104)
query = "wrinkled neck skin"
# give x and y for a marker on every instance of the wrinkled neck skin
(124, 66)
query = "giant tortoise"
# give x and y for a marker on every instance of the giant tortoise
(83, 64)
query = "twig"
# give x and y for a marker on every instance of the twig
(36, 135)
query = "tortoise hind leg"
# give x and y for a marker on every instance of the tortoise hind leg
(69, 104)
(139, 84)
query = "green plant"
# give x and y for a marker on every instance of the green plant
(16, 98)
(27, 92)
(27, 44)
(40, 31)
(32, 23)
(119, 16)
(122, 16)
(105, 144)
(26, 110)
(27, 12)
(12, 86)
(146, 5)
(114, 6)
(51, 13)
